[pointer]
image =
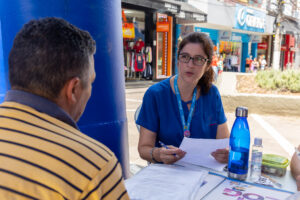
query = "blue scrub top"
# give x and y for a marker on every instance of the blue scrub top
(160, 114)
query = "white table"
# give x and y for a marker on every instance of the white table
(287, 181)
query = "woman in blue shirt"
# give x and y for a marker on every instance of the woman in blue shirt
(185, 105)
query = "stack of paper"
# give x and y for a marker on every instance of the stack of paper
(159, 181)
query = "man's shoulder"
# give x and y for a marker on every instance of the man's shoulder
(54, 131)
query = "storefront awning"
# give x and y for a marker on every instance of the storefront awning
(289, 26)
(184, 12)
(145, 3)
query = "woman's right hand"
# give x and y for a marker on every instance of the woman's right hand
(170, 155)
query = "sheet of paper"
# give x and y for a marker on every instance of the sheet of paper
(209, 183)
(232, 190)
(198, 152)
(168, 182)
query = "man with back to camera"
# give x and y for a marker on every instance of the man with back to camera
(43, 155)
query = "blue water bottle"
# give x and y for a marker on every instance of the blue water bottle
(239, 145)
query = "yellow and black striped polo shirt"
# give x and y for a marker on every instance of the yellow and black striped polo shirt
(44, 158)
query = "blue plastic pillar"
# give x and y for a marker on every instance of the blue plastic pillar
(105, 115)
(244, 56)
(3, 71)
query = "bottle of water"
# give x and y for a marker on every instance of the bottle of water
(239, 145)
(256, 159)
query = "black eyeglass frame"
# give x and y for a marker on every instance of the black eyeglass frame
(206, 60)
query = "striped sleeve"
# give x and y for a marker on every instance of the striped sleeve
(107, 184)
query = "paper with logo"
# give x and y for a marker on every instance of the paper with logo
(235, 190)
(168, 182)
(198, 152)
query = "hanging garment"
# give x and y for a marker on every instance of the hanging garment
(132, 62)
(148, 74)
(148, 52)
(139, 62)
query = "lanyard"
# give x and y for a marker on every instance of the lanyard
(185, 125)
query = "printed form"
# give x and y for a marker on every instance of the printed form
(198, 152)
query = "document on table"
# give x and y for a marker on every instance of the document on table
(168, 182)
(198, 152)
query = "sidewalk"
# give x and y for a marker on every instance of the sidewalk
(266, 104)
(257, 103)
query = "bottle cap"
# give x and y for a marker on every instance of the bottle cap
(257, 141)
(241, 112)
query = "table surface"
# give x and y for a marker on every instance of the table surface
(288, 183)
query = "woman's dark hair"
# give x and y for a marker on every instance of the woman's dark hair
(47, 53)
(201, 38)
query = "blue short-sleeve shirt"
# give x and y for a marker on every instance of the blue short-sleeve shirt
(160, 114)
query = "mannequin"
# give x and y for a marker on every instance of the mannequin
(139, 45)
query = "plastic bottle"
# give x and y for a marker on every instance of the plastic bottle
(239, 145)
(256, 159)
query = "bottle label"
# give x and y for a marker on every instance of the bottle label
(256, 157)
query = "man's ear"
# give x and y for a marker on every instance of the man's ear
(72, 89)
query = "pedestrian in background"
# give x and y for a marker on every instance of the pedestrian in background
(262, 62)
(43, 153)
(214, 65)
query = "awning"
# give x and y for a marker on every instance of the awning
(145, 3)
(184, 12)
(289, 26)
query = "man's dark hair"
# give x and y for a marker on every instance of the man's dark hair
(48, 52)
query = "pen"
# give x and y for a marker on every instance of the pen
(163, 145)
(272, 180)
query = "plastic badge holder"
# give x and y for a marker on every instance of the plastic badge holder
(274, 164)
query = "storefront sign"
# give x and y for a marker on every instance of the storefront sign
(172, 7)
(294, 49)
(262, 46)
(128, 30)
(236, 37)
(249, 19)
(256, 38)
(283, 48)
(224, 35)
(162, 26)
(198, 17)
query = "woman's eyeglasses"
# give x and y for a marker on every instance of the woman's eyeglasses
(197, 60)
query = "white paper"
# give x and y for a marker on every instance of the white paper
(168, 182)
(198, 152)
(232, 190)
(209, 183)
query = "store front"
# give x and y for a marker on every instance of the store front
(164, 48)
(288, 51)
(147, 39)
(236, 32)
(137, 52)
(149, 28)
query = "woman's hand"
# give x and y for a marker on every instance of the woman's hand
(221, 155)
(170, 155)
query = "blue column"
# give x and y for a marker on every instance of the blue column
(105, 115)
(244, 56)
(3, 71)
(254, 50)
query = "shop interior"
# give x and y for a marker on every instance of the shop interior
(231, 54)
(137, 54)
